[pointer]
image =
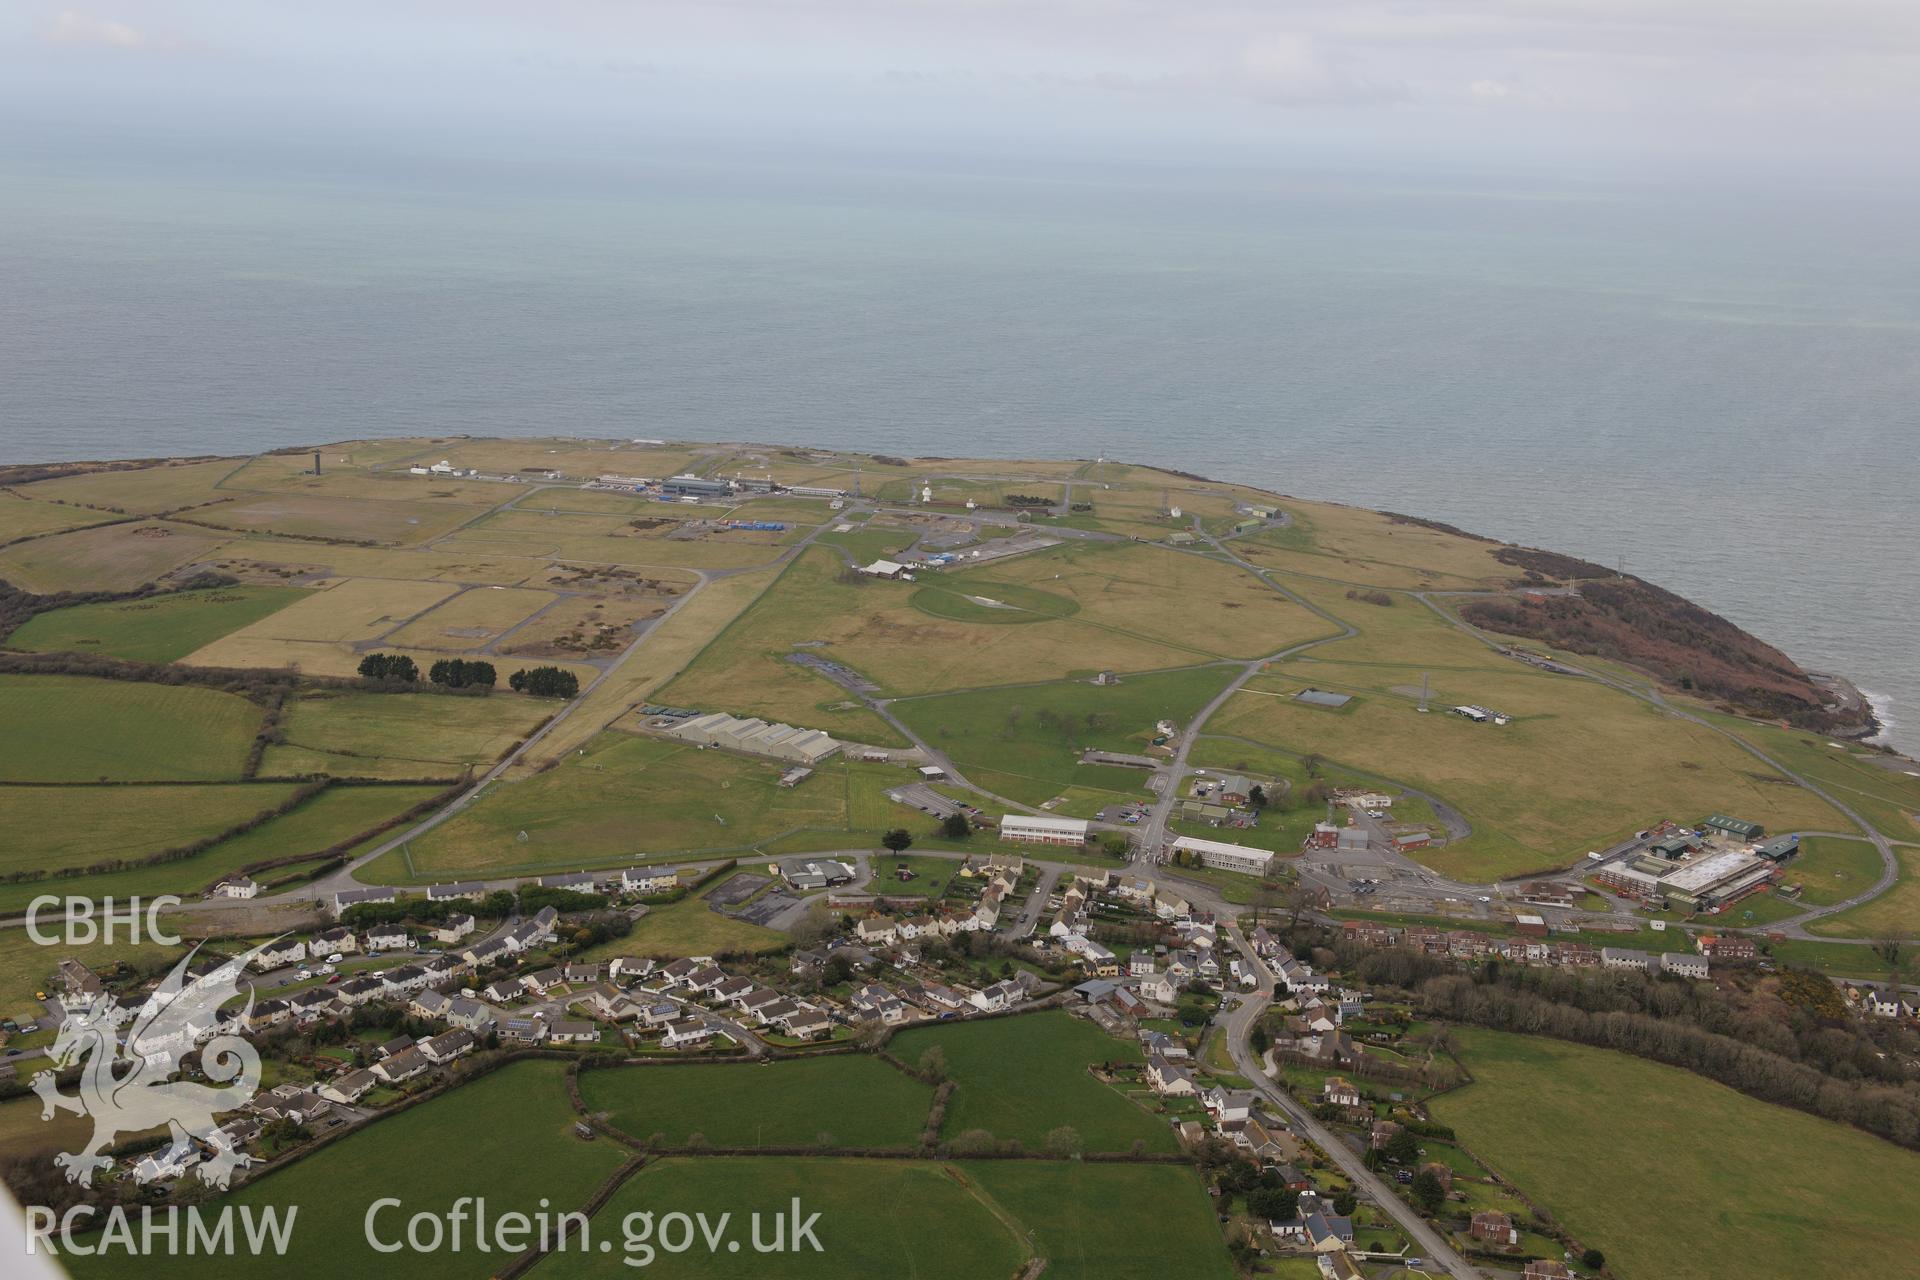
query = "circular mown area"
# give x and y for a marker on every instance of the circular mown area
(992, 602)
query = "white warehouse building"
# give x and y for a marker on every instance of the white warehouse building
(1033, 830)
(757, 737)
(1222, 856)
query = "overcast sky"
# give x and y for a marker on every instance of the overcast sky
(1582, 80)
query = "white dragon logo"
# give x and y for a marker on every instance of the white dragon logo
(131, 1089)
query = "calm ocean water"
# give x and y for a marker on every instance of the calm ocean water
(1722, 392)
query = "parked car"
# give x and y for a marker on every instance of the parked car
(335, 978)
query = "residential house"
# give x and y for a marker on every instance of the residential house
(1338, 1091)
(469, 1015)
(453, 928)
(1001, 995)
(349, 1087)
(387, 937)
(402, 1066)
(430, 1004)
(1169, 1078)
(523, 1030)
(447, 1046)
(1493, 1227)
(1683, 964)
(279, 954)
(333, 942)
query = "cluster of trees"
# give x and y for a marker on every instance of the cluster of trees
(545, 682)
(389, 667)
(462, 673)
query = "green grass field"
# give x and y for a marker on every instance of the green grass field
(1111, 1222)
(1579, 766)
(859, 1101)
(1677, 1178)
(162, 628)
(399, 735)
(71, 729)
(689, 927)
(336, 814)
(508, 1137)
(59, 827)
(27, 967)
(1019, 1078)
(1025, 743)
(1894, 914)
(1831, 870)
(583, 813)
(877, 1218)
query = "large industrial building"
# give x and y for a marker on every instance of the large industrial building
(756, 737)
(1225, 857)
(1033, 830)
(1701, 884)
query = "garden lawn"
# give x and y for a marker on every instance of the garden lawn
(1111, 1222)
(72, 729)
(891, 1218)
(1021, 1077)
(161, 628)
(1743, 1188)
(508, 1138)
(857, 1099)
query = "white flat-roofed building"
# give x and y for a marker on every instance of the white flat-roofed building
(1225, 857)
(1043, 830)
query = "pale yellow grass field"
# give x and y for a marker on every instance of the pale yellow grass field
(585, 618)
(669, 648)
(1579, 766)
(115, 558)
(20, 518)
(355, 519)
(444, 561)
(876, 629)
(472, 619)
(348, 610)
(1161, 594)
(574, 458)
(142, 491)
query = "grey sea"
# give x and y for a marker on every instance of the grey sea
(1719, 390)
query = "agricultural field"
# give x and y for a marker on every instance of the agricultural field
(161, 628)
(55, 828)
(1019, 1078)
(74, 729)
(473, 619)
(507, 1137)
(877, 1218)
(1024, 742)
(138, 491)
(857, 1099)
(115, 557)
(582, 627)
(336, 815)
(1110, 1222)
(398, 735)
(1773, 1194)
(20, 518)
(347, 519)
